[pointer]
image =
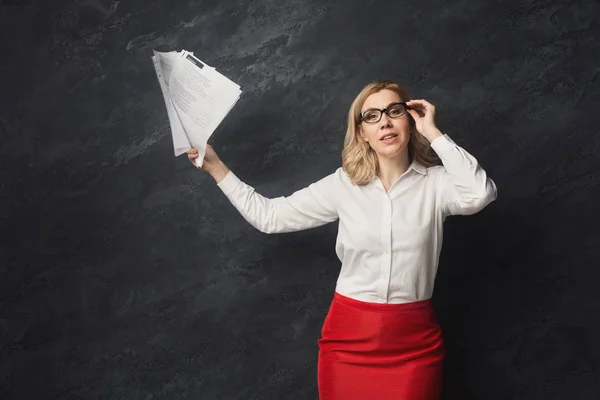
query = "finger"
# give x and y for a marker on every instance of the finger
(422, 107)
(417, 112)
(419, 103)
(414, 106)
(414, 114)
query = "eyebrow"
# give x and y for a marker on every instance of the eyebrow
(393, 102)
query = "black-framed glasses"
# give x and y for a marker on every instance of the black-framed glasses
(373, 115)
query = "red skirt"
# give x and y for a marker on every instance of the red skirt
(380, 351)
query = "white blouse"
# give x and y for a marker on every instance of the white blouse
(388, 242)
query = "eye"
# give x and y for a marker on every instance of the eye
(370, 116)
(396, 111)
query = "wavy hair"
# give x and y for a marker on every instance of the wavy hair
(359, 160)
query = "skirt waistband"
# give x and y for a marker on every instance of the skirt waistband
(420, 305)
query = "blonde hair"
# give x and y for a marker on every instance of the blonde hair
(359, 160)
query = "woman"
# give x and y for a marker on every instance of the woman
(380, 339)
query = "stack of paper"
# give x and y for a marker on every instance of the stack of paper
(197, 98)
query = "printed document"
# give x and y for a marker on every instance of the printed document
(197, 98)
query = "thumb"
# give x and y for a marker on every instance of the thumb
(414, 114)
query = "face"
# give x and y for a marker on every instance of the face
(375, 133)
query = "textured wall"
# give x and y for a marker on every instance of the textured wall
(125, 273)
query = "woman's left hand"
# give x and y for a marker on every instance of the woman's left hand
(423, 112)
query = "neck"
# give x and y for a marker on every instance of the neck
(390, 169)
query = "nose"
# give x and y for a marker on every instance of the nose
(385, 121)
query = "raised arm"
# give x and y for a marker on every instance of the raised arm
(313, 206)
(464, 187)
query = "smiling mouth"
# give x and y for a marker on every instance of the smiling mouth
(390, 136)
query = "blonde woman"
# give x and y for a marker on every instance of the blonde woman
(380, 339)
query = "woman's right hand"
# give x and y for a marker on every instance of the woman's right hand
(211, 164)
(211, 159)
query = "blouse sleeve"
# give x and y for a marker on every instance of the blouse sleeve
(464, 186)
(310, 207)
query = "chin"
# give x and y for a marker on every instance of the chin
(392, 151)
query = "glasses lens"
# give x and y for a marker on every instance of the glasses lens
(371, 116)
(396, 111)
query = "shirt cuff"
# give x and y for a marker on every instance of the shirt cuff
(442, 143)
(229, 183)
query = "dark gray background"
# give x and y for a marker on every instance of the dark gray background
(126, 273)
